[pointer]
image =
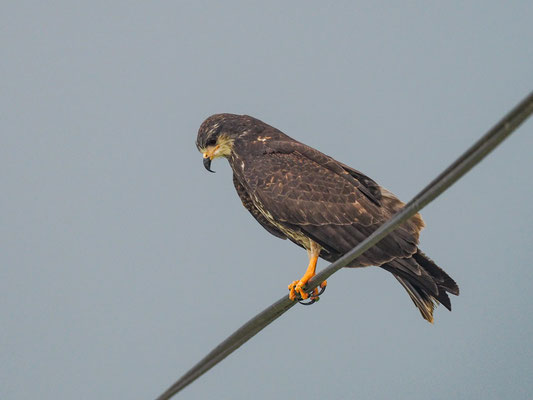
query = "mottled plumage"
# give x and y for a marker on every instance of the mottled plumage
(299, 193)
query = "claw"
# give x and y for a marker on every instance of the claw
(297, 292)
(322, 287)
(315, 296)
(311, 301)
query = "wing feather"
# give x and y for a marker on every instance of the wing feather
(301, 187)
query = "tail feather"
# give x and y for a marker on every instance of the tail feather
(442, 279)
(422, 300)
(424, 281)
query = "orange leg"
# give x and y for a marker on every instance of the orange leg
(296, 288)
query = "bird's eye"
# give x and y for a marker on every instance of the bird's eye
(211, 142)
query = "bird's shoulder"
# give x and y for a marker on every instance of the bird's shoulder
(276, 152)
(298, 184)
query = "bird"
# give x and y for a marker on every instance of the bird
(324, 206)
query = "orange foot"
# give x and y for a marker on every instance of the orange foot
(297, 292)
(297, 288)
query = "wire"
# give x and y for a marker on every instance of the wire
(454, 172)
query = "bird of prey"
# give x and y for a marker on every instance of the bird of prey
(298, 193)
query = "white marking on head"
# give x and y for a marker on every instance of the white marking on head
(214, 127)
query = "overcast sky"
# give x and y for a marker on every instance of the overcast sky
(123, 262)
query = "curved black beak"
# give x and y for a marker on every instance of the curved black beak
(207, 164)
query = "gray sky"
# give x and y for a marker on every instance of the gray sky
(123, 262)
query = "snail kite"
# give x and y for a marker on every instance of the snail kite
(298, 193)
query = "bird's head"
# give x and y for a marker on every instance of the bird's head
(218, 133)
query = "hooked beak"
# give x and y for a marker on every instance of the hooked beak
(207, 163)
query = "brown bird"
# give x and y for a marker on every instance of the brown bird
(298, 193)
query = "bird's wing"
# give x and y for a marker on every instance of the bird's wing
(302, 188)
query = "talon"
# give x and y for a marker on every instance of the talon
(315, 295)
(322, 287)
(311, 301)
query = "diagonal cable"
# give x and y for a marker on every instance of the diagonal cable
(448, 177)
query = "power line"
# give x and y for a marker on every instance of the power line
(448, 177)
